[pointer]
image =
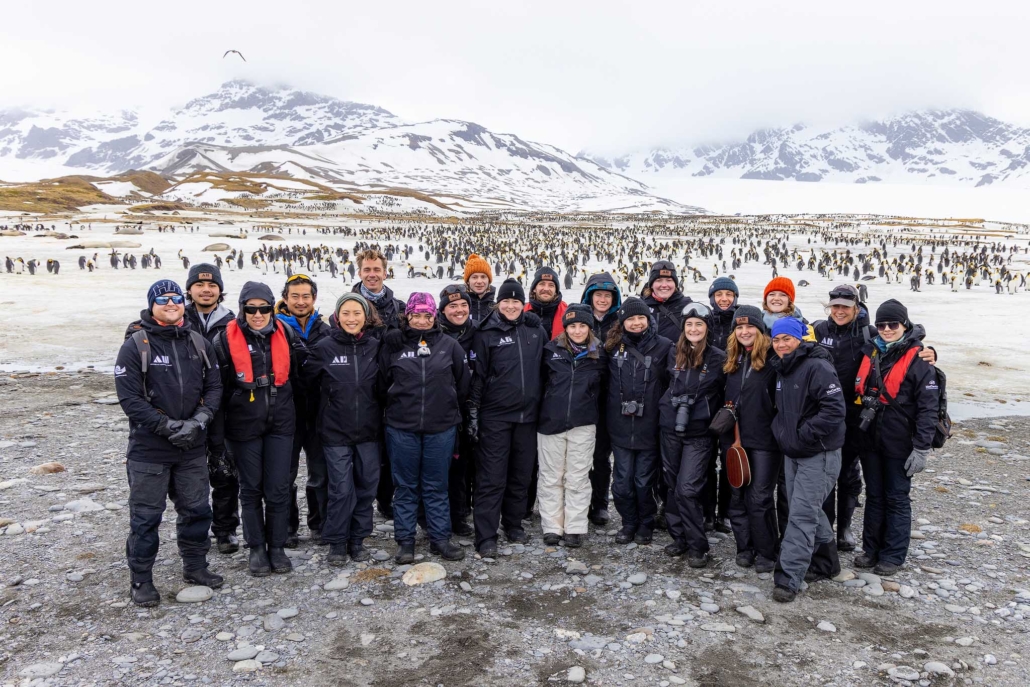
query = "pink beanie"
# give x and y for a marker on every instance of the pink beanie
(420, 302)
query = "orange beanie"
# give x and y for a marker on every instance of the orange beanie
(476, 264)
(779, 284)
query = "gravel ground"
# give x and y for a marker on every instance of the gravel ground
(957, 613)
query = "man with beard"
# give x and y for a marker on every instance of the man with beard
(206, 314)
(545, 300)
(297, 309)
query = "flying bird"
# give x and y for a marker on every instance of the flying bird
(228, 52)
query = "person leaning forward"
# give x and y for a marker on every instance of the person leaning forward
(169, 403)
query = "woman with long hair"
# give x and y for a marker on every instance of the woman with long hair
(751, 387)
(694, 371)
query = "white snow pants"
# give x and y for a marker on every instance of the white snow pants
(563, 485)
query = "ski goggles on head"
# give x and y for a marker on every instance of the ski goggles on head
(606, 286)
(164, 300)
(454, 288)
(452, 293)
(699, 310)
(255, 309)
(298, 277)
(884, 326)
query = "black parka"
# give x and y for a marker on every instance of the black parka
(909, 421)
(480, 307)
(177, 384)
(572, 386)
(424, 393)
(722, 325)
(705, 384)
(343, 370)
(506, 382)
(626, 383)
(845, 345)
(668, 321)
(809, 403)
(752, 393)
(269, 410)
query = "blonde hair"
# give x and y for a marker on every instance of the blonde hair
(371, 254)
(759, 352)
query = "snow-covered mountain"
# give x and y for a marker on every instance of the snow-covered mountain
(246, 128)
(932, 146)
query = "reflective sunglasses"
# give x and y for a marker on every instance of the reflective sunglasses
(883, 326)
(843, 294)
(255, 309)
(696, 310)
(163, 300)
(298, 276)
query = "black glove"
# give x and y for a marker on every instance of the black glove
(188, 434)
(168, 427)
(472, 426)
(221, 464)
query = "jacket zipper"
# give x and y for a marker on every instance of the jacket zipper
(178, 373)
(422, 415)
(357, 381)
(572, 385)
(522, 375)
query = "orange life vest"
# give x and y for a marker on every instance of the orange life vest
(240, 354)
(892, 384)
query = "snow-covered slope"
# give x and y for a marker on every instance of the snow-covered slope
(247, 128)
(957, 147)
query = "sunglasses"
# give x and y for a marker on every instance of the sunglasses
(298, 276)
(884, 326)
(255, 309)
(163, 300)
(843, 294)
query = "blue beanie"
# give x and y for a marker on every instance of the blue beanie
(160, 288)
(790, 326)
(723, 283)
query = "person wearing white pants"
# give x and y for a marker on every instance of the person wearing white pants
(574, 370)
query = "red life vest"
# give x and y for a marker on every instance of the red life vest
(892, 384)
(240, 354)
(557, 326)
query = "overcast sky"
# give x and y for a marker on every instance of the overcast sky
(609, 76)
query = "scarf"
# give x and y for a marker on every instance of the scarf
(374, 297)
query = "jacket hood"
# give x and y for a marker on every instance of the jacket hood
(255, 289)
(603, 282)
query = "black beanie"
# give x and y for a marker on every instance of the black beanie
(510, 289)
(631, 307)
(204, 271)
(663, 268)
(451, 294)
(892, 311)
(749, 314)
(577, 312)
(545, 274)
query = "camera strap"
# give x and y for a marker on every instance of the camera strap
(642, 359)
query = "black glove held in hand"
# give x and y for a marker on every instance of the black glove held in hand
(188, 434)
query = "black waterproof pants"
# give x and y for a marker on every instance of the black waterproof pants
(752, 508)
(353, 478)
(685, 461)
(264, 468)
(316, 490)
(634, 487)
(505, 456)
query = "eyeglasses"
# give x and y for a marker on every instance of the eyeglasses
(163, 300)
(297, 277)
(696, 310)
(255, 309)
(883, 326)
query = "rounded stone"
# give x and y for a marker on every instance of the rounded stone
(248, 666)
(243, 653)
(191, 595)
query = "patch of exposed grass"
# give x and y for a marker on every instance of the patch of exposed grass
(157, 207)
(249, 203)
(52, 195)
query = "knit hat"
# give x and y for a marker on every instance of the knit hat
(779, 284)
(845, 294)
(632, 307)
(577, 312)
(892, 311)
(204, 271)
(723, 283)
(160, 288)
(255, 289)
(510, 289)
(545, 274)
(420, 302)
(790, 326)
(453, 292)
(697, 310)
(477, 265)
(749, 314)
(663, 268)
(351, 296)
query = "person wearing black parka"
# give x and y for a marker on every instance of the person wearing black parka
(574, 367)
(502, 412)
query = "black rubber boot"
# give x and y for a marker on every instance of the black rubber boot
(460, 528)
(280, 561)
(745, 559)
(405, 553)
(573, 541)
(599, 517)
(697, 560)
(358, 552)
(227, 543)
(203, 577)
(845, 539)
(863, 560)
(783, 595)
(625, 535)
(337, 555)
(517, 535)
(447, 550)
(259, 565)
(676, 548)
(488, 549)
(144, 594)
(643, 537)
(551, 539)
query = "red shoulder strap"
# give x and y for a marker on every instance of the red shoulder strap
(280, 356)
(239, 353)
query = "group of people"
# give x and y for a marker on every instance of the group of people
(484, 401)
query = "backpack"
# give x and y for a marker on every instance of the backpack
(139, 338)
(942, 431)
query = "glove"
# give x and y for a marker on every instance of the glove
(472, 426)
(188, 434)
(168, 427)
(221, 464)
(916, 461)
